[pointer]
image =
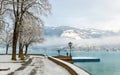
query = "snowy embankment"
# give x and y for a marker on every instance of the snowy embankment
(78, 70)
(39, 65)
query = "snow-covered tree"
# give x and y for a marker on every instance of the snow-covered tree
(6, 37)
(34, 8)
(1, 15)
(20, 8)
(31, 33)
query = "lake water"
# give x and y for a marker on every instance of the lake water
(109, 61)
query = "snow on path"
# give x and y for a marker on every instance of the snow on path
(6, 62)
(78, 70)
(42, 66)
(52, 68)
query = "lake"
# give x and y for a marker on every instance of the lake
(109, 63)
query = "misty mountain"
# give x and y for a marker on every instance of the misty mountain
(55, 31)
(76, 33)
(82, 39)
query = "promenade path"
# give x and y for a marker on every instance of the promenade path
(40, 65)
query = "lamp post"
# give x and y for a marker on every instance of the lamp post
(70, 45)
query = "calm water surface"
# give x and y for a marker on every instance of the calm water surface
(109, 64)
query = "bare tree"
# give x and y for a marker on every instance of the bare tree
(6, 37)
(31, 32)
(1, 16)
(4, 7)
(20, 8)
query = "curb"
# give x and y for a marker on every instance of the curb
(69, 69)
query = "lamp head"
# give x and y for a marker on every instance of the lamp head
(70, 44)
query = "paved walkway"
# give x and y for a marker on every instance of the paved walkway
(40, 65)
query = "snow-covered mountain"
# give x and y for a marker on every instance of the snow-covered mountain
(87, 39)
(76, 33)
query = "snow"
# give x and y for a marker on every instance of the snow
(7, 59)
(74, 34)
(56, 70)
(94, 33)
(79, 71)
(6, 62)
(12, 67)
(40, 65)
(71, 34)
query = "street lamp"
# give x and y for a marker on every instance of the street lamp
(70, 45)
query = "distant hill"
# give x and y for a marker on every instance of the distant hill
(75, 33)
(82, 39)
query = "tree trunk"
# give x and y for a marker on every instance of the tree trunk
(26, 49)
(16, 28)
(20, 50)
(21, 55)
(7, 46)
(15, 38)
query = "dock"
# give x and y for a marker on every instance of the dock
(65, 58)
(78, 59)
(86, 59)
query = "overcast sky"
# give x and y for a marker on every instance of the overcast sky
(101, 14)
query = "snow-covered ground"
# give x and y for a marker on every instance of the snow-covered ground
(78, 70)
(7, 63)
(40, 65)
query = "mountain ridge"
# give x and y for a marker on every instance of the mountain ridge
(62, 31)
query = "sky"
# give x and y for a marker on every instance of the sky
(99, 14)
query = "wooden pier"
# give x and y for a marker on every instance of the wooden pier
(65, 58)
(78, 59)
(86, 59)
